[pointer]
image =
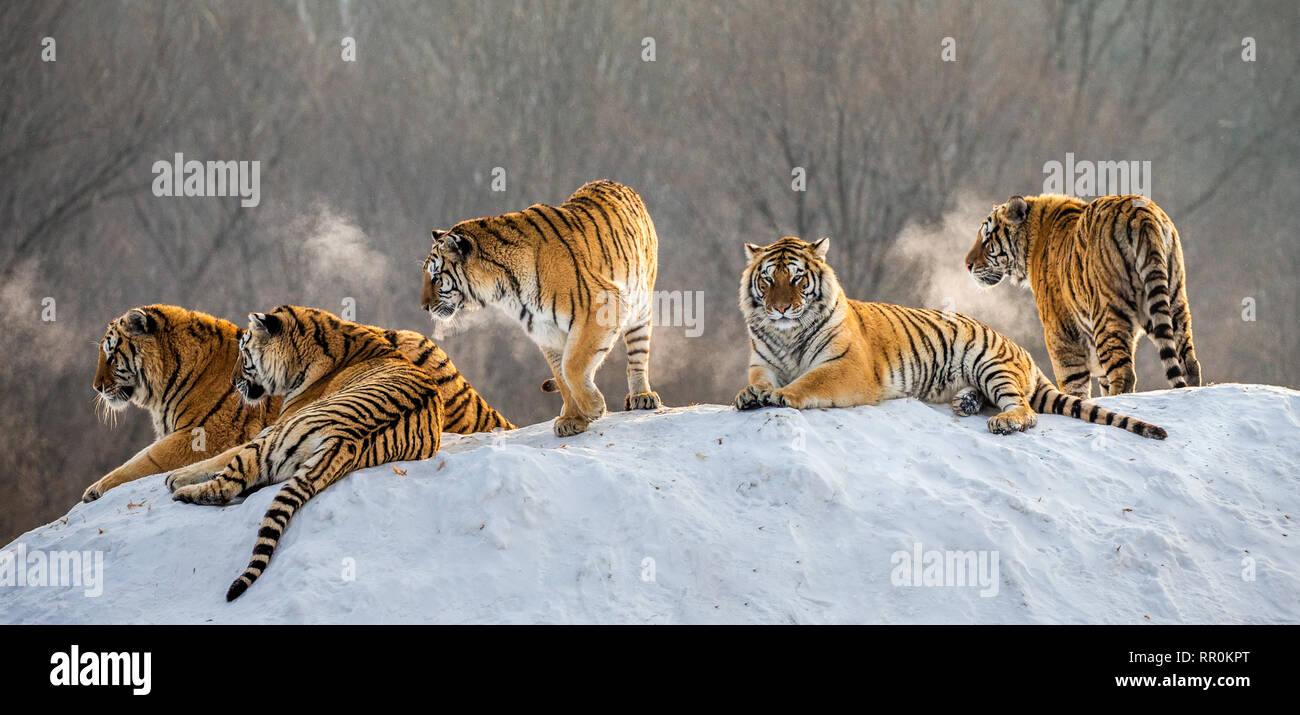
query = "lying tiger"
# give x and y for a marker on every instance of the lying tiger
(1103, 273)
(177, 365)
(351, 400)
(812, 347)
(576, 277)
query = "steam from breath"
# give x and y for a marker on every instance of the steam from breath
(47, 345)
(940, 249)
(338, 253)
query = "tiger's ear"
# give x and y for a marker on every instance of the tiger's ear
(1016, 209)
(820, 247)
(460, 245)
(139, 322)
(437, 235)
(264, 325)
(753, 251)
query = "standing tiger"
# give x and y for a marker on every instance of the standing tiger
(1103, 273)
(351, 400)
(575, 276)
(812, 347)
(177, 364)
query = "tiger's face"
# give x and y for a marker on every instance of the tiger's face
(276, 353)
(128, 356)
(247, 378)
(1000, 248)
(450, 274)
(787, 282)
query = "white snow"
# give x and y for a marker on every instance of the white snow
(774, 516)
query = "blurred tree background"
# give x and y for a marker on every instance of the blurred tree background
(903, 154)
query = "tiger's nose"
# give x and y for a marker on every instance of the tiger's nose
(970, 267)
(426, 295)
(781, 308)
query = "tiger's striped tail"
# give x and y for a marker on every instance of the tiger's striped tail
(287, 502)
(486, 417)
(1048, 399)
(1153, 269)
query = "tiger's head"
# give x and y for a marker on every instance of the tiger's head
(452, 275)
(286, 350)
(788, 284)
(247, 379)
(130, 356)
(1002, 246)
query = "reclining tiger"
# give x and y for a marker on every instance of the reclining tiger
(1103, 273)
(575, 276)
(810, 346)
(351, 400)
(177, 365)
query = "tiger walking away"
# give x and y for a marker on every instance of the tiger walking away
(810, 346)
(351, 400)
(1103, 274)
(575, 276)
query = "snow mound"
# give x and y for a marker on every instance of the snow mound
(702, 514)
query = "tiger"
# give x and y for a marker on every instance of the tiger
(810, 346)
(1103, 273)
(191, 355)
(351, 400)
(575, 276)
(465, 409)
(176, 364)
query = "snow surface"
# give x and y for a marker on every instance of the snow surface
(774, 516)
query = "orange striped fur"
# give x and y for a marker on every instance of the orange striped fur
(810, 346)
(576, 277)
(351, 400)
(1103, 274)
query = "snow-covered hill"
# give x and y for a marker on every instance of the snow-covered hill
(702, 514)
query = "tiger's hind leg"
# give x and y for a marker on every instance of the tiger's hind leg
(1016, 414)
(1160, 321)
(1181, 313)
(1005, 379)
(968, 401)
(637, 340)
(1116, 344)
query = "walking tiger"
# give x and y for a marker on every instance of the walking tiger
(575, 276)
(1103, 273)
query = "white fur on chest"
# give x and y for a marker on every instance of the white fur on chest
(544, 330)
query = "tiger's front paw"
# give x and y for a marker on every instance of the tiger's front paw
(642, 401)
(94, 491)
(754, 397)
(1016, 419)
(208, 493)
(185, 476)
(569, 426)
